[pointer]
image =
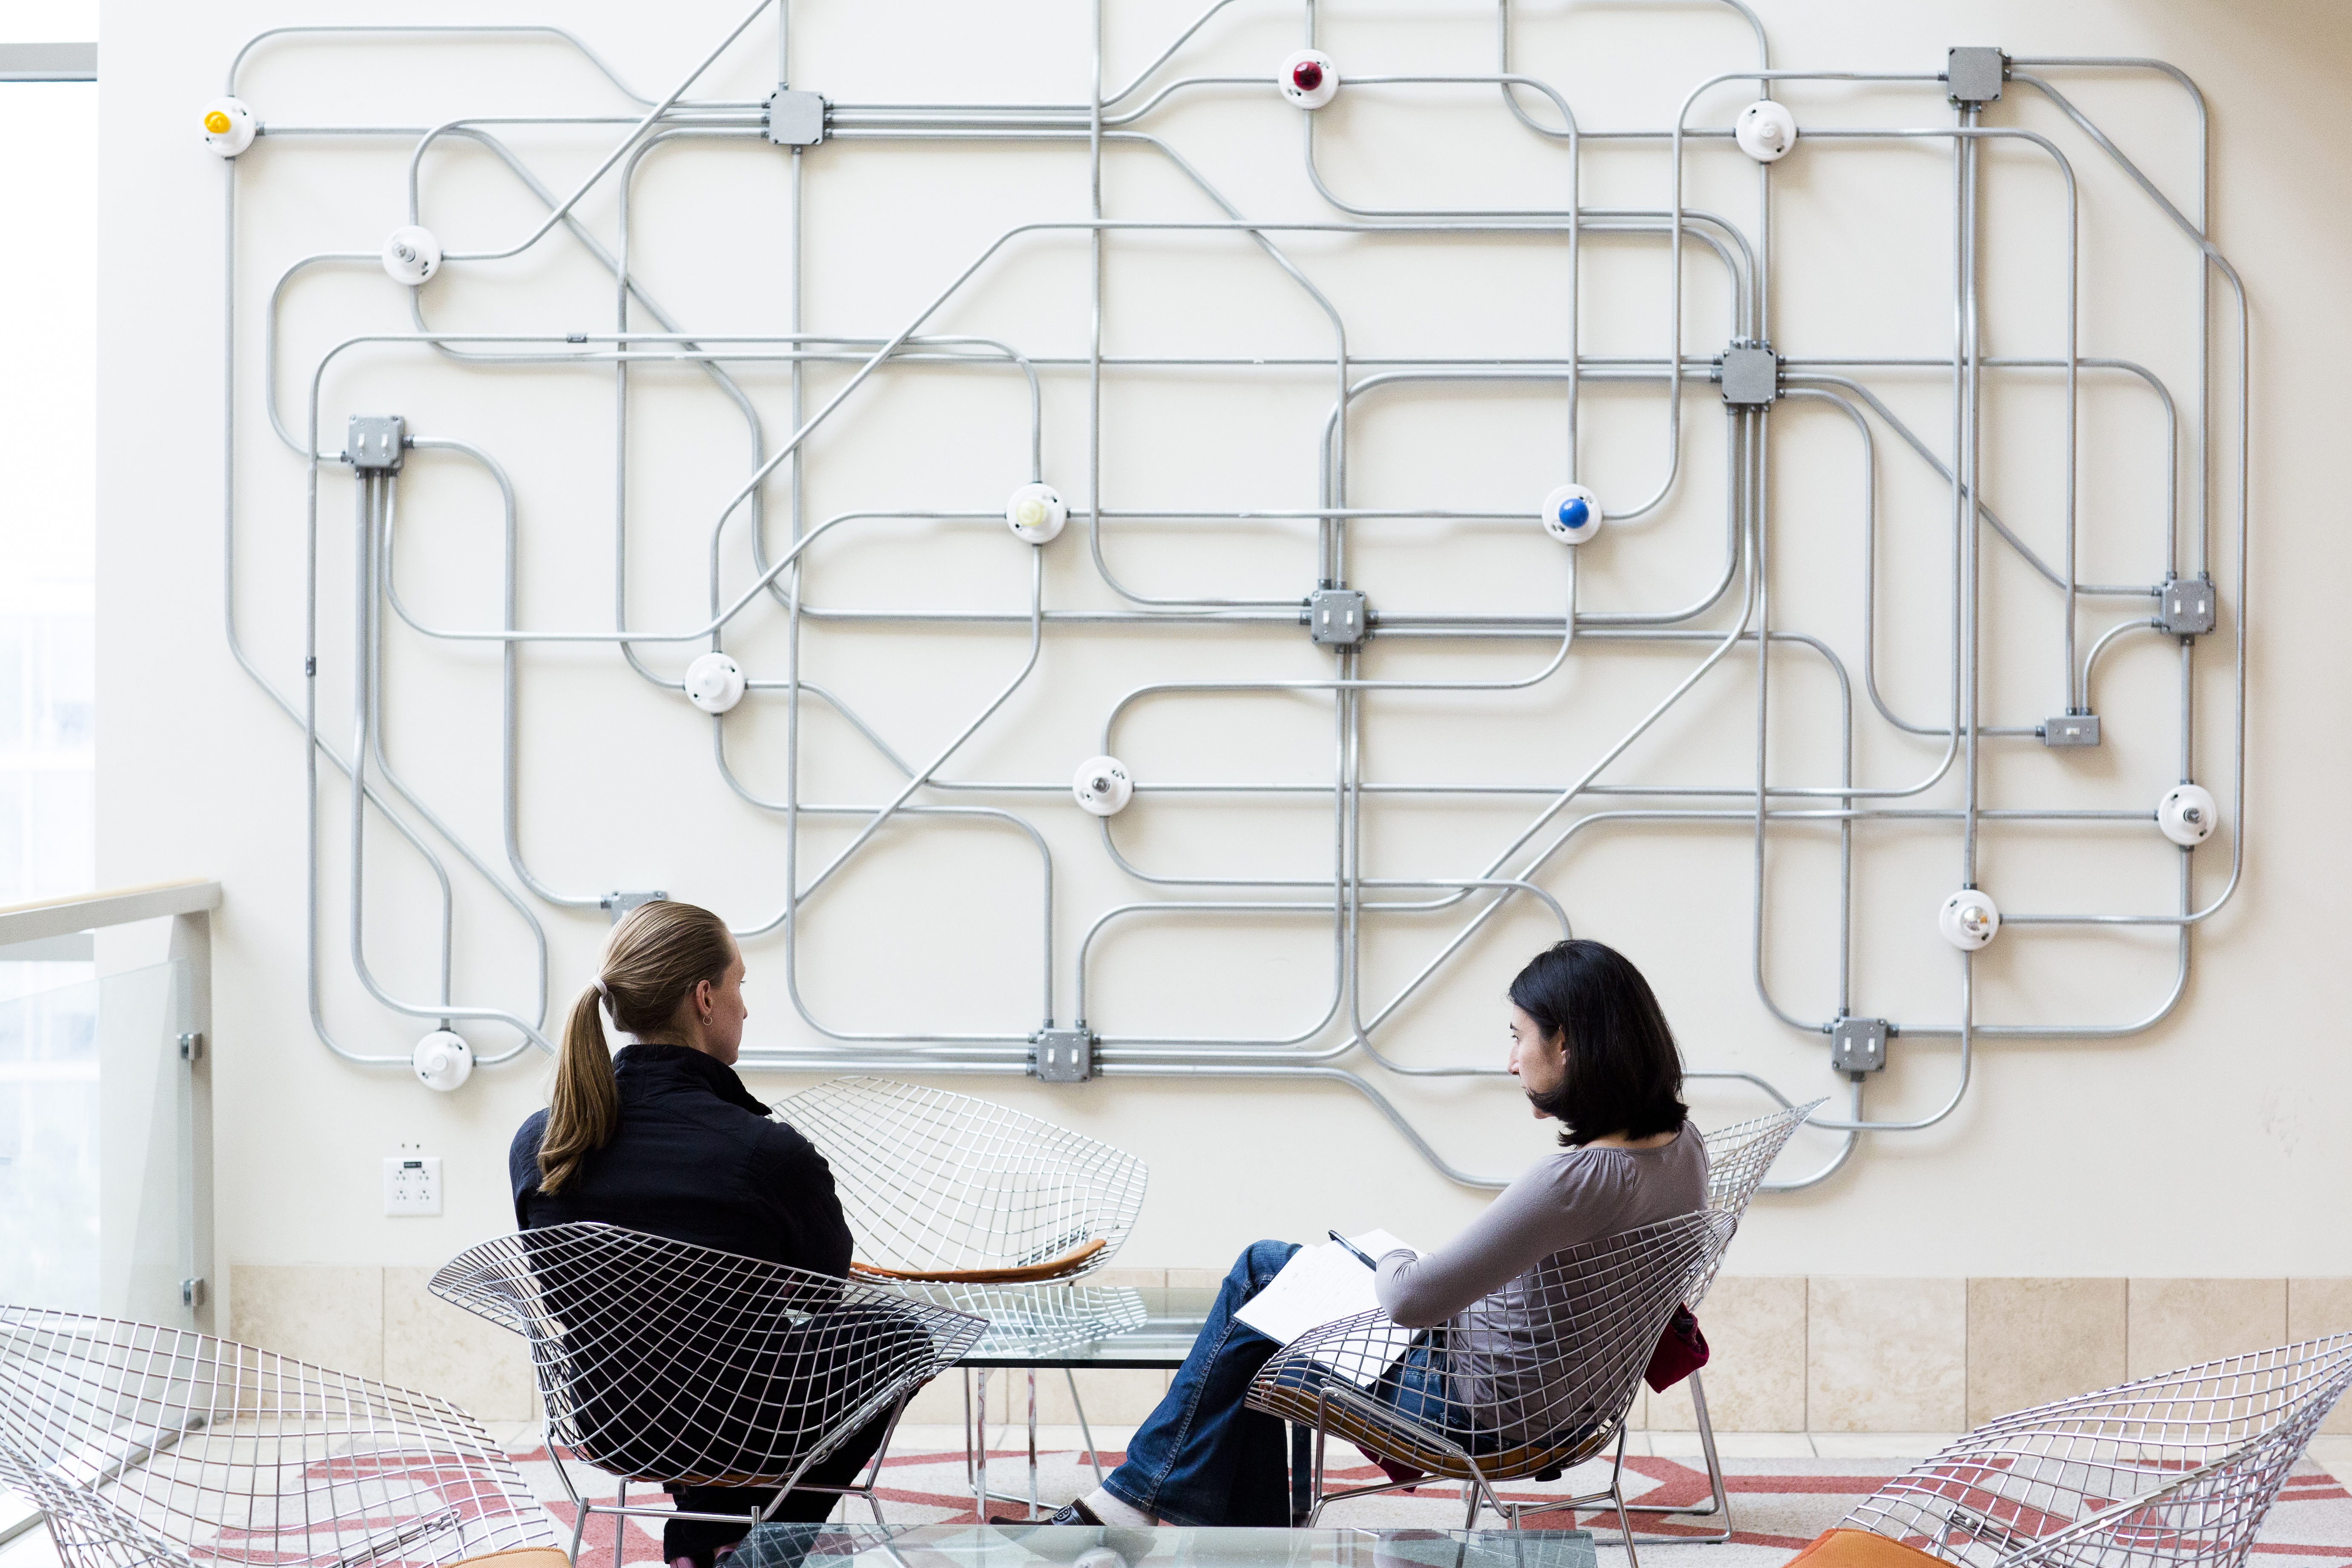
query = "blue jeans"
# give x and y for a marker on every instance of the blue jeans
(1202, 1458)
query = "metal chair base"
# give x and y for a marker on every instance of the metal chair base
(1718, 1505)
(975, 1451)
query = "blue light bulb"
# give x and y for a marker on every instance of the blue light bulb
(1573, 512)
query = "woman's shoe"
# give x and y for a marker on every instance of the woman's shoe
(1076, 1511)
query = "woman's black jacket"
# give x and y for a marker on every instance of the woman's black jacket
(697, 1160)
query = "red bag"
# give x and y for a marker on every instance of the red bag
(1682, 1350)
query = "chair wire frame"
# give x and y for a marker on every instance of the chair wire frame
(2165, 1472)
(1525, 1383)
(144, 1445)
(945, 1188)
(667, 1362)
(1737, 1156)
(936, 1185)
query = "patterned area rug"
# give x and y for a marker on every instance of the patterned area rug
(1777, 1505)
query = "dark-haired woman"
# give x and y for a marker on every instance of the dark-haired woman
(1590, 1048)
(666, 1138)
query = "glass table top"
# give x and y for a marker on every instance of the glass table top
(1079, 1325)
(1035, 1545)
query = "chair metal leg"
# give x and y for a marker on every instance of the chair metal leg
(1719, 1504)
(1035, 1510)
(1083, 1430)
(620, 1522)
(1617, 1496)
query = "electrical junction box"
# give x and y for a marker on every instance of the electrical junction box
(795, 119)
(1336, 617)
(1975, 75)
(374, 443)
(1063, 1056)
(2071, 729)
(1858, 1044)
(412, 1186)
(618, 904)
(2185, 606)
(1751, 374)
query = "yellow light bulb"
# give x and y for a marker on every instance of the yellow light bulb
(216, 122)
(1030, 513)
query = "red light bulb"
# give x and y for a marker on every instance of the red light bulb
(1307, 76)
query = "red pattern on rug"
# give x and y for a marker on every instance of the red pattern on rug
(1777, 1504)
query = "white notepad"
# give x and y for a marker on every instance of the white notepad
(1319, 1285)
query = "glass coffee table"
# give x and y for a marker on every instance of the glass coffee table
(1037, 1545)
(1041, 1328)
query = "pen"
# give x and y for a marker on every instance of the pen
(1361, 1257)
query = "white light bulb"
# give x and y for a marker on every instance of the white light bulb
(411, 254)
(1968, 919)
(714, 682)
(1765, 131)
(1035, 512)
(1101, 786)
(442, 1060)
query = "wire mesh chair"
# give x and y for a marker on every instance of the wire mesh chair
(943, 1188)
(1737, 1156)
(2169, 1471)
(665, 1363)
(1525, 1383)
(145, 1445)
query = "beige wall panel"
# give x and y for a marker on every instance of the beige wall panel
(1885, 1355)
(430, 1346)
(2033, 1341)
(2317, 1307)
(1755, 1379)
(330, 1314)
(2180, 1322)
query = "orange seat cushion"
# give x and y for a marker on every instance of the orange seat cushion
(517, 1557)
(1861, 1549)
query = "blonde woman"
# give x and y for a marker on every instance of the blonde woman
(666, 1138)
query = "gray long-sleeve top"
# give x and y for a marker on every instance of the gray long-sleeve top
(1505, 1341)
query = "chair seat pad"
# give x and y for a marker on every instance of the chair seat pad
(517, 1557)
(1861, 1549)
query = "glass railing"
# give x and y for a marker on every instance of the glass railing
(97, 1182)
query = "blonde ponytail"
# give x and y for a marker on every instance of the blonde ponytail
(583, 1108)
(655, 956)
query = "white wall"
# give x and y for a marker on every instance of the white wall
(2202, 1147)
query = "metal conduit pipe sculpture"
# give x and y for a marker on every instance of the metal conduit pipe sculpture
(2075, 502)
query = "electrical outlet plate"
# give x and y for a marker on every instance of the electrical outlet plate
(375, 443)
(1858, 1044)
(1063, 1056)
(412, 1186)
(2071, 729)
(1336, 617)
(2184, 606)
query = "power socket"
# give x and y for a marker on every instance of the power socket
(412, 1186)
